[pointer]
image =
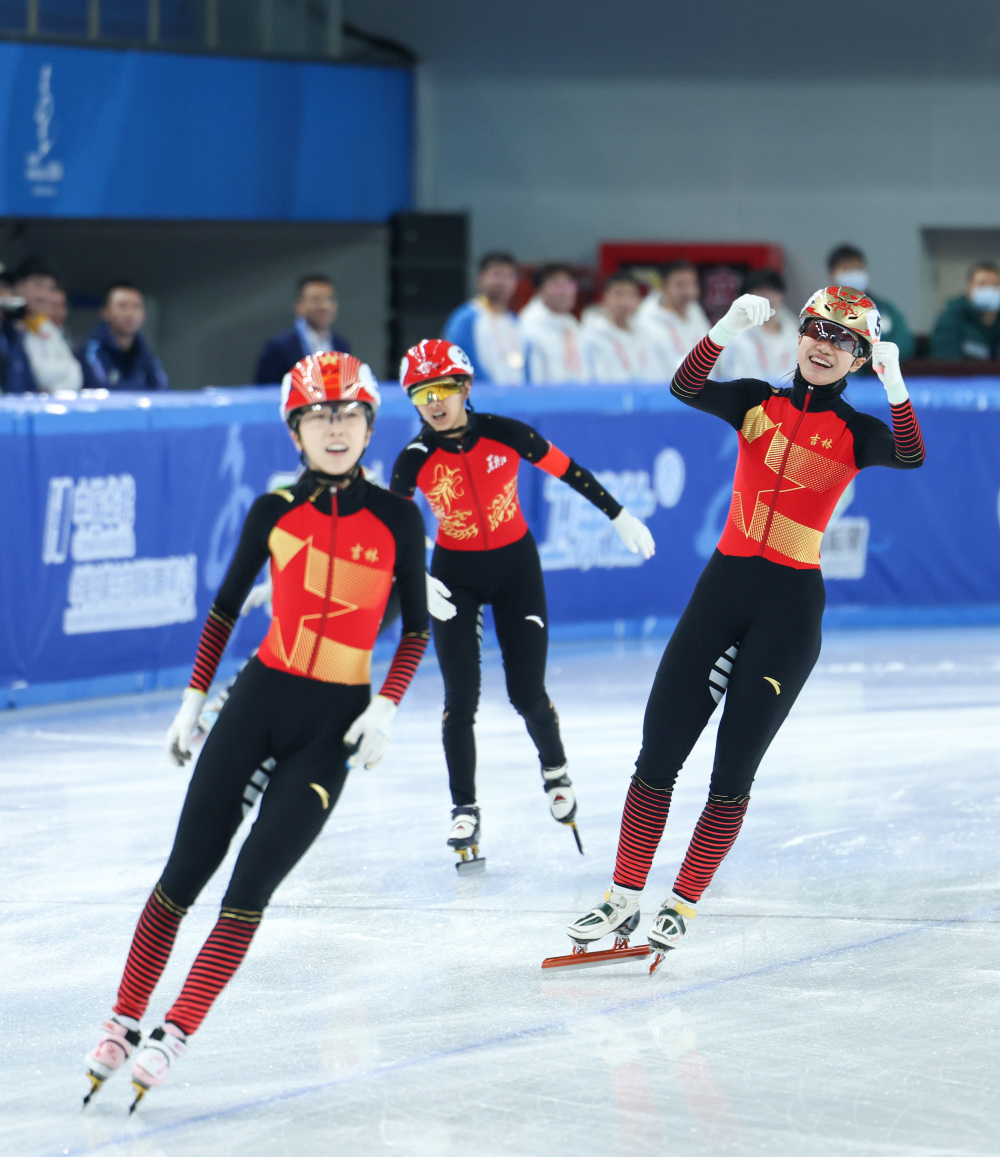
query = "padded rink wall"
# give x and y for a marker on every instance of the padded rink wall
(119, 517)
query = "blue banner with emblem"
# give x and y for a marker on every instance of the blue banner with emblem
(119, 517)
(102, 133)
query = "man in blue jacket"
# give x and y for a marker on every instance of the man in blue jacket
(116, 356)
(316, 309)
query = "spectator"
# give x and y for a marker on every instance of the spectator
(673, 316)
(551, 332)
(53, 366)
(116, 356)
(614, 348)
(969, 325)
(316, 308)
(486, 328)
(846, 265)
(15, 370)
(768, 352)
(59, 309)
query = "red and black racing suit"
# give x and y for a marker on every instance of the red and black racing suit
(333, 555)
(485, 554)
(752, 628)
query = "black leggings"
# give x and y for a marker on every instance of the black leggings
(771, 616)
(298, 722)
(510, 579)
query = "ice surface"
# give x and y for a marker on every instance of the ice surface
(838, 993)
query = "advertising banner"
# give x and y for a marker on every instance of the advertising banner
(119, 518)
(102, 133)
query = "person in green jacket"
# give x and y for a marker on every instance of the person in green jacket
(846, 265)
(969, 325)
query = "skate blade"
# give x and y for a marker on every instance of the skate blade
(95, 1084)
(658, 959)
(576, 836)
(585, 959)
(140, 1092)
(469, 864)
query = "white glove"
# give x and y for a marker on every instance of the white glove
(634, 534)
(259, 596)
(185, 721)
(370, 731)
(745, 312)
(885, 362)
(438, 602)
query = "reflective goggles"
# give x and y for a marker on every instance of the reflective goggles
(838, 336)
(326, 413)
(435, 391)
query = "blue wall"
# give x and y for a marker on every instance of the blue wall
(99, 133)
(118, 519)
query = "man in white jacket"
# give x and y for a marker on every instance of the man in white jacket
(767, 352)
(615, 348)
(674, 316)
(550, 331)
(53, 363)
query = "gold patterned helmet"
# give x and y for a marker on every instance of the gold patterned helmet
(847, 308)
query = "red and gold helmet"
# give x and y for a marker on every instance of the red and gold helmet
(434, 361)
(328, 377)
(848, 308)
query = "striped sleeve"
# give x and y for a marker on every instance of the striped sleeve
(909, 442)
(404, 665)
(214, 636)
(692, 373)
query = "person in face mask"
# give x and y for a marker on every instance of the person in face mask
(846, 265)
(969, 325)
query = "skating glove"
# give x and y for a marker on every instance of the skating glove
(885, 362)
(180, 731)
(370, 731)
(746, 311)
(634, 534)
(438, 603)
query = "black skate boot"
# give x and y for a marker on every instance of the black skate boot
(464, 838)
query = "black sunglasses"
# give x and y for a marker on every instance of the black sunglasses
(839, 337)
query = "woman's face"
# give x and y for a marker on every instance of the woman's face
(821, 363)
(333, 436)
(447, 413)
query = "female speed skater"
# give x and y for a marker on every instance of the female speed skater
(334, 542)
(466, 465)
(751, 630)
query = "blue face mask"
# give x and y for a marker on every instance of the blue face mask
(986, 298)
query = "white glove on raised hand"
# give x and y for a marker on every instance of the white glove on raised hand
(885, 362)
(438, 603)
(370, 731)
(185, 721)
(634, 534)
(746, 311)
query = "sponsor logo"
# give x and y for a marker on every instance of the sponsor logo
(534, 619)
(581, 537)
(494, 462)
(323, 794)
(774, 683)
(92, 522)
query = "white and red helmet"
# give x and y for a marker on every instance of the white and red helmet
(328, 377)
(432, 360)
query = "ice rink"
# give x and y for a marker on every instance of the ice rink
(838, 993)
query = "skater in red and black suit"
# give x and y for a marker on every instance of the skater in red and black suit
(302, 705)
(466, 465)
(751, 631)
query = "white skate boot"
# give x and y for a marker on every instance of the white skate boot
(670, 926)
(464, 838)
(618, 914)
(154, 1060)
(562, 802)
(119, 1038)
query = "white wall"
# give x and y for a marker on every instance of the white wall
(551, 167)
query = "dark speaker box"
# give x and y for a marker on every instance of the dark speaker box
(407, 329)
(429, 240)
(427, 290)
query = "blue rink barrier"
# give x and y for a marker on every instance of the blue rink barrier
(120, 515)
